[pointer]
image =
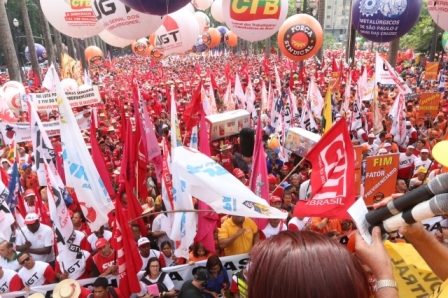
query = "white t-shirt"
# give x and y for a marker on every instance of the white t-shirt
(13, 265)
(300, 224)
(270, 231)
(74, 267)
(372, 149)
(93, 238)
(8, 277)
(162, 223)
(166, 281)
(418, 162)
(44, 237)
(75, 244)
(36, 276)
(406, 161)
(305, 190)
(152, 253)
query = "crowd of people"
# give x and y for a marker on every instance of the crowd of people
(29, 258)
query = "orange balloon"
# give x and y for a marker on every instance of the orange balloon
(152, 39)
(231, 39)
(156, 54)
(211, 38)
(300, 37)
(93, 55)
(140, 47)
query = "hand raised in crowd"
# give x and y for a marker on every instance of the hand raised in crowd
(64, 275)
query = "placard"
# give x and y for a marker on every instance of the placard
(429, 104)
(227, 124)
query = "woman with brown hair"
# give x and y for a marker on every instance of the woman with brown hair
(307, 264)
(199, 253)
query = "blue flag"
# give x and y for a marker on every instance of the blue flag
(13, 187)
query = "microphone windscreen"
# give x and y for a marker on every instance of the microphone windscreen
(439, 204)
(439, 184)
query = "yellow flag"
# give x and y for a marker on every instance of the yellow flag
(327, 117)
(412, 274)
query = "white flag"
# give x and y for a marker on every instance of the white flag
(239, 92)
(250, 98)
(307, 120)
(398, 129)
(194, 138)
(80, 170)
(211, 97)
(6, 217)
(211, 183)
(316, 100)
(205, 99)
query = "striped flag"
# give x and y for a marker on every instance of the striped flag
(442, 79)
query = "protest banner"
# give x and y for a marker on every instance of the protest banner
(358, 165)
(432, 68)
(48, 101)
(429, 104)
(412, 274)
(381, 175)
(21, 132)
(178, 274)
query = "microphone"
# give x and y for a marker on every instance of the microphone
(435, 186)
(427, 209)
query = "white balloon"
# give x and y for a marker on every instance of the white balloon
(189, 7)
(124, 22)
(12, 99)
(69, 85)
(113, 40)
(178, 33)
(203, 21)
(217, 11)
(254, 20)
(201, 4)
(13, 85)
(75, 21)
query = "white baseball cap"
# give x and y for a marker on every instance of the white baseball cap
(387, 145)
(424, 151)
(143, 240)
(371, 136)
(31, 218)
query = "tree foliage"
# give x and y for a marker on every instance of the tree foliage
(420, 38)
(329, 41)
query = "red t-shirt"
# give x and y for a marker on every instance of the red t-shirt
(101, 263)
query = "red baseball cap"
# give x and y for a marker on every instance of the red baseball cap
(272, 179)
(275, 199)
(100, 243)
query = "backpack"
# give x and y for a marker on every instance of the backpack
(160, 285)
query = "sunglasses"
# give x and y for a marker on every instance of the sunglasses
(23, 262)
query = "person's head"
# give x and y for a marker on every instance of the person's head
(101, 287)
(347, 225)
(272, 181)
(5, 164)
(100, 232)
(153, 268)
(32, 222)
(199, 250)
(325, 268)
(393, 237)
(410, 150)
(213, 264)
(6, 248)
(238, 220)
(144, 246)
(421, 173)
(401, 186)
(136, 231)
(167, 248)
(77, 218)
(30, 197)
(25, 260)
(388, 138)
(424, 154)
(274, 222)
(103, 247)
(284, 170)
(295, 179)
(421, 143)
(432, 135)
(201, 276)
(372, 138)
(287, 198)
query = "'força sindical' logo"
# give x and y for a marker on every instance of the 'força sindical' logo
(299, 40)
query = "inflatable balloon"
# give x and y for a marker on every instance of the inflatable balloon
(203, 21)
(199, 46)
(113, 40)
(444, 39)
(12, 99)
(300, 37)
(254, 20)
(201, 4)
(211, 38)
(178, 32)
(72, 18)
(124, 22)
(13, 85)
(231, 39)
(69, 85)
(93, 55)
(156, 54)
(273, 143)
(140, 47)
(439, 13)
(40, 51)
(223, 31)
(384, 21)
(216, 11)
(189, 7)
(156, 7)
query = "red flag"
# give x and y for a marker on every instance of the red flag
(266, 65)
(135, 209)
(197, 68)
(291, 80)
(191, 114)
(141, 161)
(227, 72)
(213, 81)
(206, 220)
(127, 171)
(245, 72)
(332, 177)
(128, 256)
(259, 178)
(98, 160)
(123, 123)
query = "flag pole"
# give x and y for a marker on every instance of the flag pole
(287, 176)
(166, 212)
